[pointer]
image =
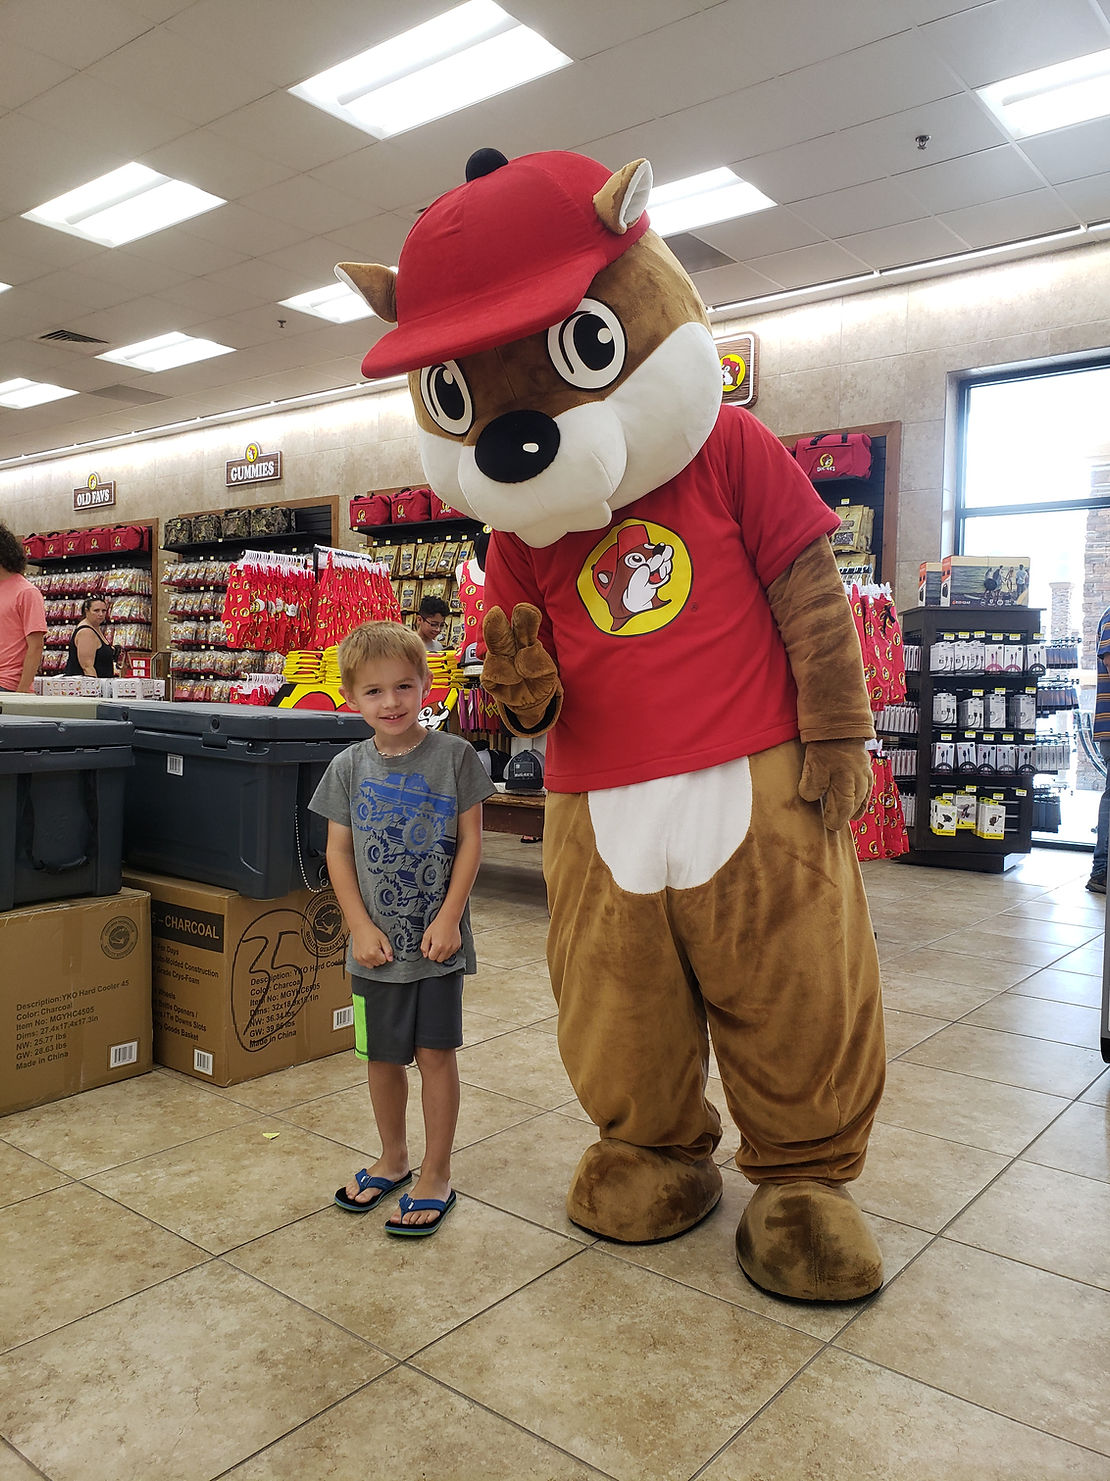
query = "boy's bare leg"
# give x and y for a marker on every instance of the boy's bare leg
(439, 1078)
(389, 1094)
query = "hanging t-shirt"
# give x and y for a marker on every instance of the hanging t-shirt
(664, 616)
(22, 612)
(404, 812)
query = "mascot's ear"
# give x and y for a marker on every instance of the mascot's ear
(621, 200)
(376, 284)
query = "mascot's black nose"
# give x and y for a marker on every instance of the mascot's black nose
(517, 446)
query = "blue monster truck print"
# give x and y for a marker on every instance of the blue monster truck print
(408, 851)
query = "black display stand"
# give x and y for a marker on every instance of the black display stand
(878, 491)
(924, 626)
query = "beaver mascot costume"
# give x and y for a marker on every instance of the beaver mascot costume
(662, 597)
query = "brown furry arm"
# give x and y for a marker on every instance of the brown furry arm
(834, 717)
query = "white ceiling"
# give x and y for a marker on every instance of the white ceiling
(817, 102)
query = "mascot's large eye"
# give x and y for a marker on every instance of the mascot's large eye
(588, 349)
(446, 397)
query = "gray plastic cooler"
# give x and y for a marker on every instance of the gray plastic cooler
(220, 793)
(61, 808)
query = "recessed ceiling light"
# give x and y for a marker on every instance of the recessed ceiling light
(335, 301)
(4, 287)
(166, 352)
(1052, 97)
(20, 393)
(472, 52)
(700, 200)
(123, 205)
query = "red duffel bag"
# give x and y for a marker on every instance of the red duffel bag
(130, 537)
(411, 506)
(440, 510)
(99, 539)
(34, 547)
(834, 455)
(54, 545)
(75, 542)
(368, 510)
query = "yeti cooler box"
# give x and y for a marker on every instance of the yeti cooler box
(61, 808)
(220, 792)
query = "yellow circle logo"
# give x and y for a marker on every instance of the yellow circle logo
(253, 452)
(94, 480)
(733, 370)
(636, 579)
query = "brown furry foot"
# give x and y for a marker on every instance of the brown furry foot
(808, 1240)
(637, 1194)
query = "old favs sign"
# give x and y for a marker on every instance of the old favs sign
(739, 369)
(254, 466)
(94, 494)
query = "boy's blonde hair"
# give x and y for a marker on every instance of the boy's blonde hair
(374, 642)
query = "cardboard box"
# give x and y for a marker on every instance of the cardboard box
(984, 581)
(243, 987)
(928, 584)
(75, 1000)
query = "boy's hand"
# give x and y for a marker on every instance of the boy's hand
(370, 947)
(441, 940)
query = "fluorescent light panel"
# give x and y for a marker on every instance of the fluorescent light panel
(20, 393)
(122, 206)
(1052, 97)
(700, 200)
(335, 301)
(166, 352)
(472, 52)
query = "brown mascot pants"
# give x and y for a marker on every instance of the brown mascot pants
(773, 957)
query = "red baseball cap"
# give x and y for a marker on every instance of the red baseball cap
(501, 257)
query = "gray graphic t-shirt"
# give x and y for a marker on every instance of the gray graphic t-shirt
(403, 812)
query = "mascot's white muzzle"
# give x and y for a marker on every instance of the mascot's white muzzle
(535, 475)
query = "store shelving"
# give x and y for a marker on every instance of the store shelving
(877, 492)
(1015, 628)
(123, 577)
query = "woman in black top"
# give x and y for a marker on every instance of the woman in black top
(89, 650)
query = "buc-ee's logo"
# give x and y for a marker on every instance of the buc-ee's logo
(636, 579)
(826, 463)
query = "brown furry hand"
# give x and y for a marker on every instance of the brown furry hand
(838, 774)
(518, 673)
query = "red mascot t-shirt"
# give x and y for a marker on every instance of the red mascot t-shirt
(670, 658)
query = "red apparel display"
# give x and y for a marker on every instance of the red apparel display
(350, 590)
(269, 602)
(881, 832)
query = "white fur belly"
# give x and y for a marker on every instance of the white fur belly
(675, 832)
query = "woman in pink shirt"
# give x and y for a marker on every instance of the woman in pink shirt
(22, 618)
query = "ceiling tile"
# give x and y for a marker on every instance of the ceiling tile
(1029, 215)
(581, 28)
(141, 318)
(76, 32)
(215, 164)
(761, 234)
(124, 127)
(24, 74)
(986, 43)
(873, 81)
(824, 262)
(260, 280)
(246, 231)
(723, 285)
(289, 130)
(207, 298)
(1071, 154)
(859, 208)
(1089, 198)
(301, 198)
(40, 161)
(987, 175)
(912, 241)
(379, 239)
(181, 252)
(159, 65)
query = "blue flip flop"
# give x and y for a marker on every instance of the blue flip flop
(364, 1181)
(412, 1205)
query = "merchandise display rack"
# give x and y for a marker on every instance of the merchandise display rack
(132, 615)
(878, 491)
(202, 666)
(925, 627)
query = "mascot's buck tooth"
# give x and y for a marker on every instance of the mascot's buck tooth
(679, 625)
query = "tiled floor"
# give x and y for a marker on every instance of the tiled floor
(180, 1298)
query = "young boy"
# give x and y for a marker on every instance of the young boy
(431, 619)
(404, 814)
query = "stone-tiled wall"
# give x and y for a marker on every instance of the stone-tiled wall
(893, 354)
